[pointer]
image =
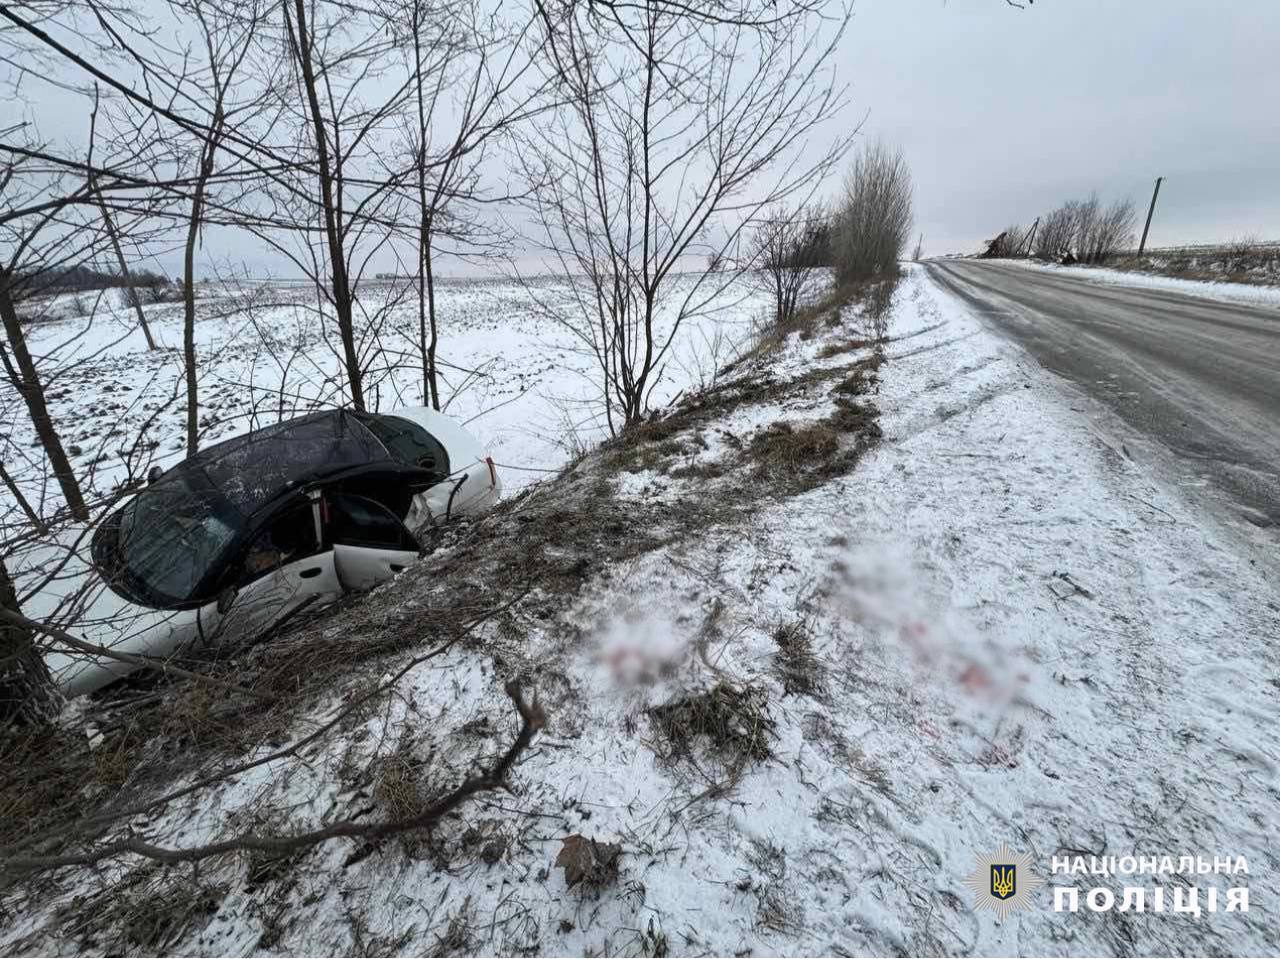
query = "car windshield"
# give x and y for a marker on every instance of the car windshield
(172, 535)
(166, 545)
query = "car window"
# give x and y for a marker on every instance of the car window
(357, 521)
(171, 537)
(408, 442)
(285, 538)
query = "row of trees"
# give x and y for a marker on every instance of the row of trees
(625, 142)
(1079, 231)
(633, 139)
(643, 136)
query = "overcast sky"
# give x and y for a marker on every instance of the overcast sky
(1004, 113)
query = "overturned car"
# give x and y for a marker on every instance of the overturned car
(236, 539)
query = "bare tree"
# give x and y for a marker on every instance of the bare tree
(1086, 214)
(338, 58)
(1057, 229)
(1008, 243)
(874, 219)
(787, 247)
(677, 128)
(487, 63)
(63, 208)
(20, 364)
(227, 41)
(131, 295)
(1106, 231)
(918, 252)
(1083, 230)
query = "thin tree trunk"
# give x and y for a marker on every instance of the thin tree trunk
(32, 391)
(26, 692)
(432, 379)
(427, 329)
(342, 300)
(130, 291)
(189, 342)
(189, 289)
(422, 324)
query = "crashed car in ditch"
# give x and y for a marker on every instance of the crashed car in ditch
(238, 538)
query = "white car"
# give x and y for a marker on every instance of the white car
(232, 541)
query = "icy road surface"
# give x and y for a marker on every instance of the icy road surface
(1200, 377)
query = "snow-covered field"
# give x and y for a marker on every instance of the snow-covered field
(1017, 637)
(517, 379)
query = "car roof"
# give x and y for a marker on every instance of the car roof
(252, 470)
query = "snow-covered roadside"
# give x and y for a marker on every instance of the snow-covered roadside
(1016, 637)
(1027, 641)
(1097, 670)
(1254, 295)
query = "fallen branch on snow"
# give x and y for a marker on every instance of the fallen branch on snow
(532, 719)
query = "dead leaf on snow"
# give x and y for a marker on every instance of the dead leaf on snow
(585, 860)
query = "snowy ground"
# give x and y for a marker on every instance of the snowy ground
(1013, 636)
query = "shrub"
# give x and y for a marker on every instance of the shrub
(1084, 230)
(787, 247)
(874, 220)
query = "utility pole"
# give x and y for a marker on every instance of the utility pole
(1150, 210)
(1030, 237)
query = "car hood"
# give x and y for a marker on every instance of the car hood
(76, 599)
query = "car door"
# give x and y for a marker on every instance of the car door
(370, 543)
(285, 568)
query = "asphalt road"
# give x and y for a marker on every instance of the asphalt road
(1200, 377)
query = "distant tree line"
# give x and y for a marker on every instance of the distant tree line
(82, 279)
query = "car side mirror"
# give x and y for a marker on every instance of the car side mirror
(154, 474)
(226, 598)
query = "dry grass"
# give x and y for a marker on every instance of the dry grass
(457, 936)
(146, 913)
(863, 377)
(46, 773)
(777, 907)
(398, 781)
(796, 458)
(486, 841)
(769, 333)
(861, 419)
(730, 722)
(655, 438)
(1244, 260)
(840, 347)
(157, 919)
(710, 470)
(786, 448)
(797, 668)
